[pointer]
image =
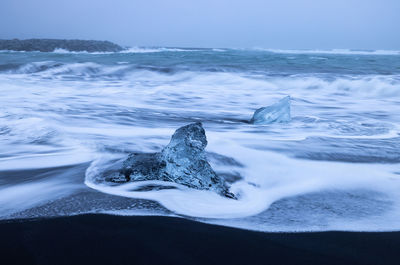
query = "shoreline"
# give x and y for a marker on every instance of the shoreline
(109, 239)
(50, 45)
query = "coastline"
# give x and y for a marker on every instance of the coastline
(50, 45)
(108, 239)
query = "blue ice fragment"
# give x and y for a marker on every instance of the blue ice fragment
(278, 112)
(182, 161)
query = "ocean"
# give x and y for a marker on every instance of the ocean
(65, 116)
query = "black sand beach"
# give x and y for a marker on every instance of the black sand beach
(105, 239)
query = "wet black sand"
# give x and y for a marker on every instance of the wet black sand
(105, 239)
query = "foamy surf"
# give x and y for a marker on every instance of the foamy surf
(156, 49)
(64, 117)
(333, 51)
(263, 183)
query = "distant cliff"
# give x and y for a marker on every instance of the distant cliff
(49, 45)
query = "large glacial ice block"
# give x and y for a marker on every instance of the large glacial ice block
(182, 161)
(278, 112)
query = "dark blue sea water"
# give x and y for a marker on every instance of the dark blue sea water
(335, 165)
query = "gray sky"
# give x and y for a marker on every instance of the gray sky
(285, 24)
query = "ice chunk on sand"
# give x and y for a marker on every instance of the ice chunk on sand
(182, 161)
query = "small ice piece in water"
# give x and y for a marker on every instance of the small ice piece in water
(278, 112)
(182, 161)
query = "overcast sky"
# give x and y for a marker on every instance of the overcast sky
(285, 24)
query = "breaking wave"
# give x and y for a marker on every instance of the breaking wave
(65, 118)
(157, 49)
(364, 85)
(333, 51)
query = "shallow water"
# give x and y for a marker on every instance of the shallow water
(65, 117)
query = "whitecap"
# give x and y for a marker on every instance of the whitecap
(157, 49)
(332, 51)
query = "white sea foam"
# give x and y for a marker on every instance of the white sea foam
(24, 196)
(264, 183)
(47, 160)
(156, 49)
(281, 51)
(11, 51)
(333, 51)
(364, 85)
(55, 114)
(64, 51)
(127, 50)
